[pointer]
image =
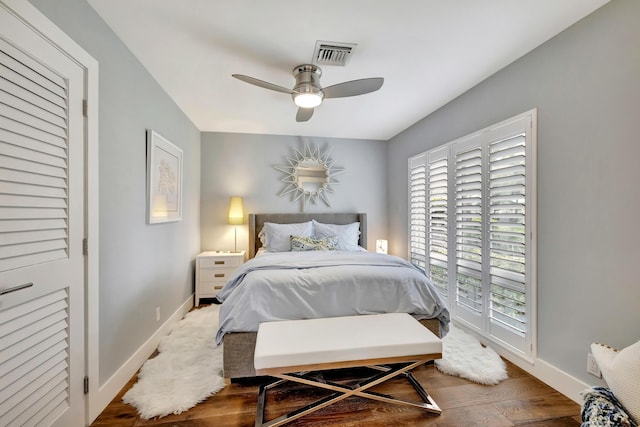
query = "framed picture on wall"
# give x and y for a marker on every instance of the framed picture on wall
(164, 179)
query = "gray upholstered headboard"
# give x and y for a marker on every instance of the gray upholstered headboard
(256, 221)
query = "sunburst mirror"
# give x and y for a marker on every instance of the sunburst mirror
(310, 175)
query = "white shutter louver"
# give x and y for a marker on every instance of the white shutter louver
(468, 216)
(33, 162)
(507, 197)
(438, 223)
(417, 211)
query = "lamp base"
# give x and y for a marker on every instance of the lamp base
(235, 244)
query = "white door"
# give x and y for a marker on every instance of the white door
(42, 363)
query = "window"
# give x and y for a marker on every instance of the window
(472, 229)
(428, 233)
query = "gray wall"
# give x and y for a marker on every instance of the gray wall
(243, 165)
(141, 266)
(585, 83)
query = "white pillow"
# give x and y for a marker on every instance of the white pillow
(277, 237)
(348, 234)
(621, 371)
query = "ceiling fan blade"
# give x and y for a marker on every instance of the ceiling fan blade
(262, 83)
(304, 114)
(353, 87)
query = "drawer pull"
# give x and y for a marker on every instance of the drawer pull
(219, 262)
(15, 288)
(218, 275)
(217, 288)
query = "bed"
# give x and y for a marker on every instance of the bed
(286, 284)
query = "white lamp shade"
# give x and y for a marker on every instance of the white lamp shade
(236, 211)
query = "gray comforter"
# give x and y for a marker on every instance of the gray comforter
(305, 285)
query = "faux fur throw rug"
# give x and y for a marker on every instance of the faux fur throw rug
(465, 357)
(187, 370)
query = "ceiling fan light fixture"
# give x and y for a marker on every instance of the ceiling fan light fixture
(308, 94)
(308, 100)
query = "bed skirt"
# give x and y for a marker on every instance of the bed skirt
(239, 348)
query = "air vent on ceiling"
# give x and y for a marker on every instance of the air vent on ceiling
(332, 53)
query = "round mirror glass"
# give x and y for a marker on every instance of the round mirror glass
(311, 175)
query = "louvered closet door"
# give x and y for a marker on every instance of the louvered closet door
(41, 231)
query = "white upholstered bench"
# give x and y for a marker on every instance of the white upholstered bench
(392, 344)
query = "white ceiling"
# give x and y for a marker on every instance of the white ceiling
(428, 51)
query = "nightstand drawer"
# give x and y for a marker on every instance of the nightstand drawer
(216, 274)
(210, 288)
(221, 261)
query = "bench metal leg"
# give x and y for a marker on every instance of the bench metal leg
(342, 392)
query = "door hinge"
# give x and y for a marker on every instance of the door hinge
(85, 108)
(85, 246)
(86, 385)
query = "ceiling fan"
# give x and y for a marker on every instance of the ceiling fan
(307, 92)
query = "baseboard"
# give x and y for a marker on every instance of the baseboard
(107, 391)
(549, 374)
(566, 384)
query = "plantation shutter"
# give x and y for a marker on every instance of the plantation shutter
(417, 210)
(507, 187)
(469, 230)
(437, 220)
(476, 233)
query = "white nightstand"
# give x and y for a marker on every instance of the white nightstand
(213, 269)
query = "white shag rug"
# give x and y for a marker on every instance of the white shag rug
(187, 370)
(464, 356)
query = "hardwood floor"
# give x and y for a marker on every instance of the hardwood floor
(521, 400)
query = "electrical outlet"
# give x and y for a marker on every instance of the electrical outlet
(592, 366)
(157, 314)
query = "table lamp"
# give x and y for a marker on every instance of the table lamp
(236, 216)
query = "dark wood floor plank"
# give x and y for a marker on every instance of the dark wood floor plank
(549, 406)
(475, 394)
(229, 406)
(556, 422)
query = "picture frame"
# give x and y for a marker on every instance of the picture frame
(164, 179)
